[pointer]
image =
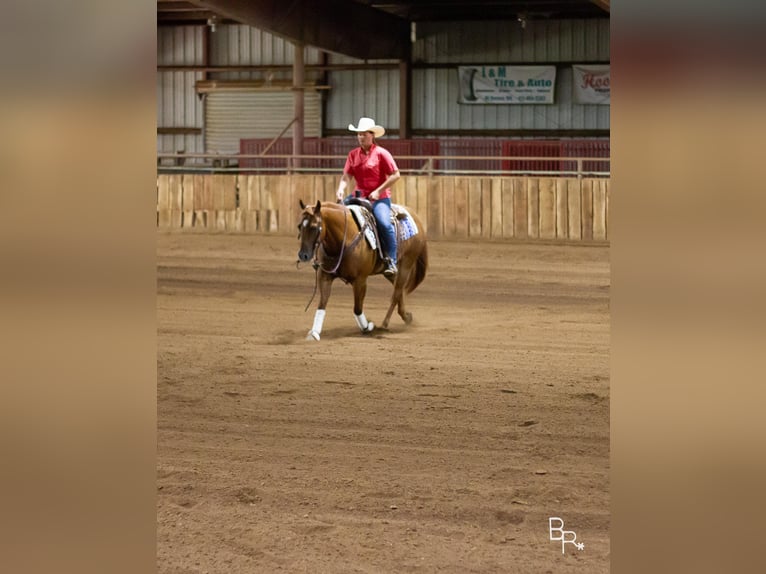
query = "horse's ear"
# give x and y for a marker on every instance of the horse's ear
(303, 205)
(318, 206)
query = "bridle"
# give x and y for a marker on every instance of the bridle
(318, 244)
(305, 223)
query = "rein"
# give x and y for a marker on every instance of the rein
(318, 244)
(321, 246)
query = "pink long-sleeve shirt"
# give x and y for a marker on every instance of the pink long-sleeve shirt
(370, 169)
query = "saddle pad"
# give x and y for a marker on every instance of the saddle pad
(358, 212)
(407, 226)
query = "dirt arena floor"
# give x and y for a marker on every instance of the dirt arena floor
(442, 446)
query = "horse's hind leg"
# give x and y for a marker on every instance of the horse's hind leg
(360, 290)
(397, 299)
(403, 313)
(394, 302)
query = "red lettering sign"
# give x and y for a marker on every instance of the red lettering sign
(590, 80)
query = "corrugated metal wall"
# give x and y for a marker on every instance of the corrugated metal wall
(435, 106)
(375, 93)
(358, 93)
(435, 91)
(177, 102)
(235, 45)
(506, 41)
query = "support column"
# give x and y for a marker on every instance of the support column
(405, 98)
(206, 59)
(298, 89)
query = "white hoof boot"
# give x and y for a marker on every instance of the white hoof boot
(316, 328)
(364, 325)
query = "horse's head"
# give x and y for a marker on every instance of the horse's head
(309, 230)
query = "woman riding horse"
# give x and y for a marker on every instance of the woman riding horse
(375, 171)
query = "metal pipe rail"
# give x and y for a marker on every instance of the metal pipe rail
(224, 163)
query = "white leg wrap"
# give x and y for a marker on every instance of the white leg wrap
(364, 325)
(316, 329)
(361, 320)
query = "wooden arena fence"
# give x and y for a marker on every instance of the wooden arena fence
(460, 207)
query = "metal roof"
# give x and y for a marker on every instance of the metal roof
(176, 12)
(365, 29)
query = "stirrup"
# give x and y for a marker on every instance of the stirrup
(390, 269)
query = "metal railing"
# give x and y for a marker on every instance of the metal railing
(425, 165)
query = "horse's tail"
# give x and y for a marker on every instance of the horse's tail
(419, 273)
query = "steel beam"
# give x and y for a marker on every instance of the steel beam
(341, 26)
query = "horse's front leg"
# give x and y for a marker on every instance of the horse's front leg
(360, 290)
(325, 288)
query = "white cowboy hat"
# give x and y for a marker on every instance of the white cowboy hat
(368, 125)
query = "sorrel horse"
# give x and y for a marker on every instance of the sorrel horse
(329, 232)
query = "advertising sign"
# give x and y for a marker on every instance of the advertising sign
(506, 84)
(590, 85)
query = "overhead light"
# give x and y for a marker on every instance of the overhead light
(212, 22)
(522, 18)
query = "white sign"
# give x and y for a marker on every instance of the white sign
(506, 84)
(590, 85)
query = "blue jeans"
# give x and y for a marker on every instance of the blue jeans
(382, 211)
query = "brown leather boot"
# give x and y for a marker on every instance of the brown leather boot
(390, 269)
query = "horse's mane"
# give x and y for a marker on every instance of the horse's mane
(332, 206)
